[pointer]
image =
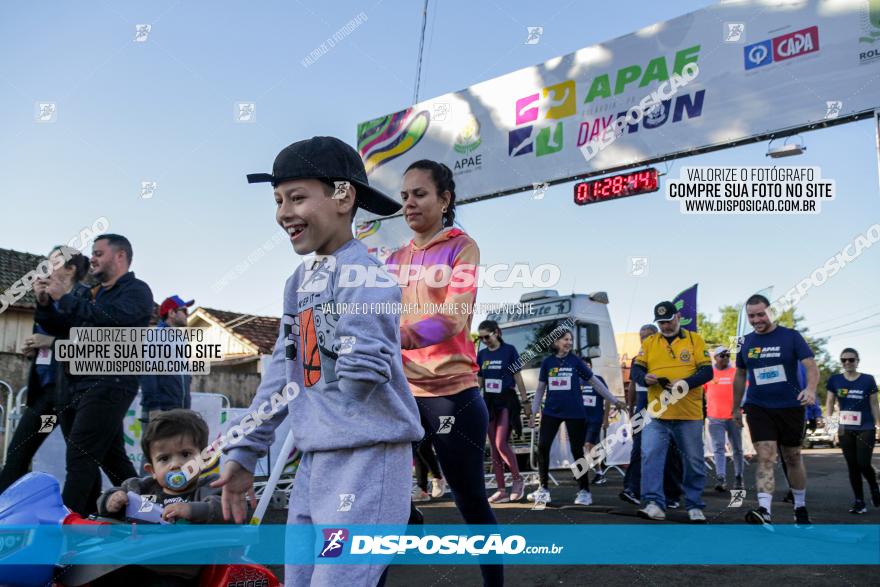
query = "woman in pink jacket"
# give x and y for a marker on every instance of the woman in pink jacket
(437, 271)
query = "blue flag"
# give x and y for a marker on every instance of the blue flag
(686, 304)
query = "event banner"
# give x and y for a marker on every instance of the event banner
(709, 78)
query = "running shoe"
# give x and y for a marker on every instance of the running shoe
(696, 516)
(600, 479)
(583, 497)
(418, 495)
(499, 497)
(858, 507)
(652, 511)
(542, 494)
(801, 517)
(673, 504)
(629, 497)
(875, 499)
(721, 486)
(438, 488)
(517, 489)
(738, 482)
(758, 516)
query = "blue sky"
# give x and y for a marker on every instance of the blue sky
(162, 110)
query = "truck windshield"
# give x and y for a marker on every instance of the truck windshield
(531, 340)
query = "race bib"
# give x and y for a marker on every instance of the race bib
(850, 418)
(559, 383)
(493, 386)
(44, 356)
(767, 375)
(590, 400)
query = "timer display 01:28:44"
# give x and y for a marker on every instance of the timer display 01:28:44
(616, 186)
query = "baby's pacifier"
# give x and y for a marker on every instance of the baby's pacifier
(176, 479)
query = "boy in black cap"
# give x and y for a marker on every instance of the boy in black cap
(352, 412)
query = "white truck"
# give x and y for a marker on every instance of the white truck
(527, 327)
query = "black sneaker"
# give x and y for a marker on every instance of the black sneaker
(789, 497)
(875, 499)
(801, 517)
(758, 516)
(600, 479)
(629, 497)
(673, 505)
(738, 482)
(721, 486)
(858, 507)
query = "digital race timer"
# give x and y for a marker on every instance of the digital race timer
(616, 186)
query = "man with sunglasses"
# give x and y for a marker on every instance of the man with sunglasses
(167, 392)
(719, 409)
(774, 405)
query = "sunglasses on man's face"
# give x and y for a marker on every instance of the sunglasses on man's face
(848, 360)
(723, 355)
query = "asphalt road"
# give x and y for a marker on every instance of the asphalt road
(828, 498)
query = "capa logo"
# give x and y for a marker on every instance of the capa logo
(334, 539)
(783, 47)
(796, 44)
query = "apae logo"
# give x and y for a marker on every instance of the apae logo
(466, 142)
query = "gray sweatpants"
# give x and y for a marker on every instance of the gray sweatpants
(366, 485)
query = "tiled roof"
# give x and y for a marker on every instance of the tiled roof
(13, 266)
(262, 331)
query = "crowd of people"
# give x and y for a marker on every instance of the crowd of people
(382, 392)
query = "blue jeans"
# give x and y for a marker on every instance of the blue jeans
(688, 436)
(632, 480)
(718, 428)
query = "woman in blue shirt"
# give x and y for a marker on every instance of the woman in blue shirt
(498, 371)
(856, 394)
(561, 376)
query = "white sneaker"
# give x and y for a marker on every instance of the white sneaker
(499, 497)
(419, 496)
(438, 488)
(696, 516)
(583, 497)
(542, 494)
(652, 511)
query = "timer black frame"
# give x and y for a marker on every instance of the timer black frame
(634, 183)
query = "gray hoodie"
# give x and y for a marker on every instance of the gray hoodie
(347, 366)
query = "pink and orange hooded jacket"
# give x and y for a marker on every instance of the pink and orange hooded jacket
(439, 357)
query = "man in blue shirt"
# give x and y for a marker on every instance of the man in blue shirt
(769, 357)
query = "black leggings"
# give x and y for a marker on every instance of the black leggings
(27, 438)
(857, 446)
(577, 433)
(460, 446)
(425, 461)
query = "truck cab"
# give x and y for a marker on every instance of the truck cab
(530, 327)
(540, 313)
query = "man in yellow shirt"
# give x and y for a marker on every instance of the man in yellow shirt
(674, 364)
